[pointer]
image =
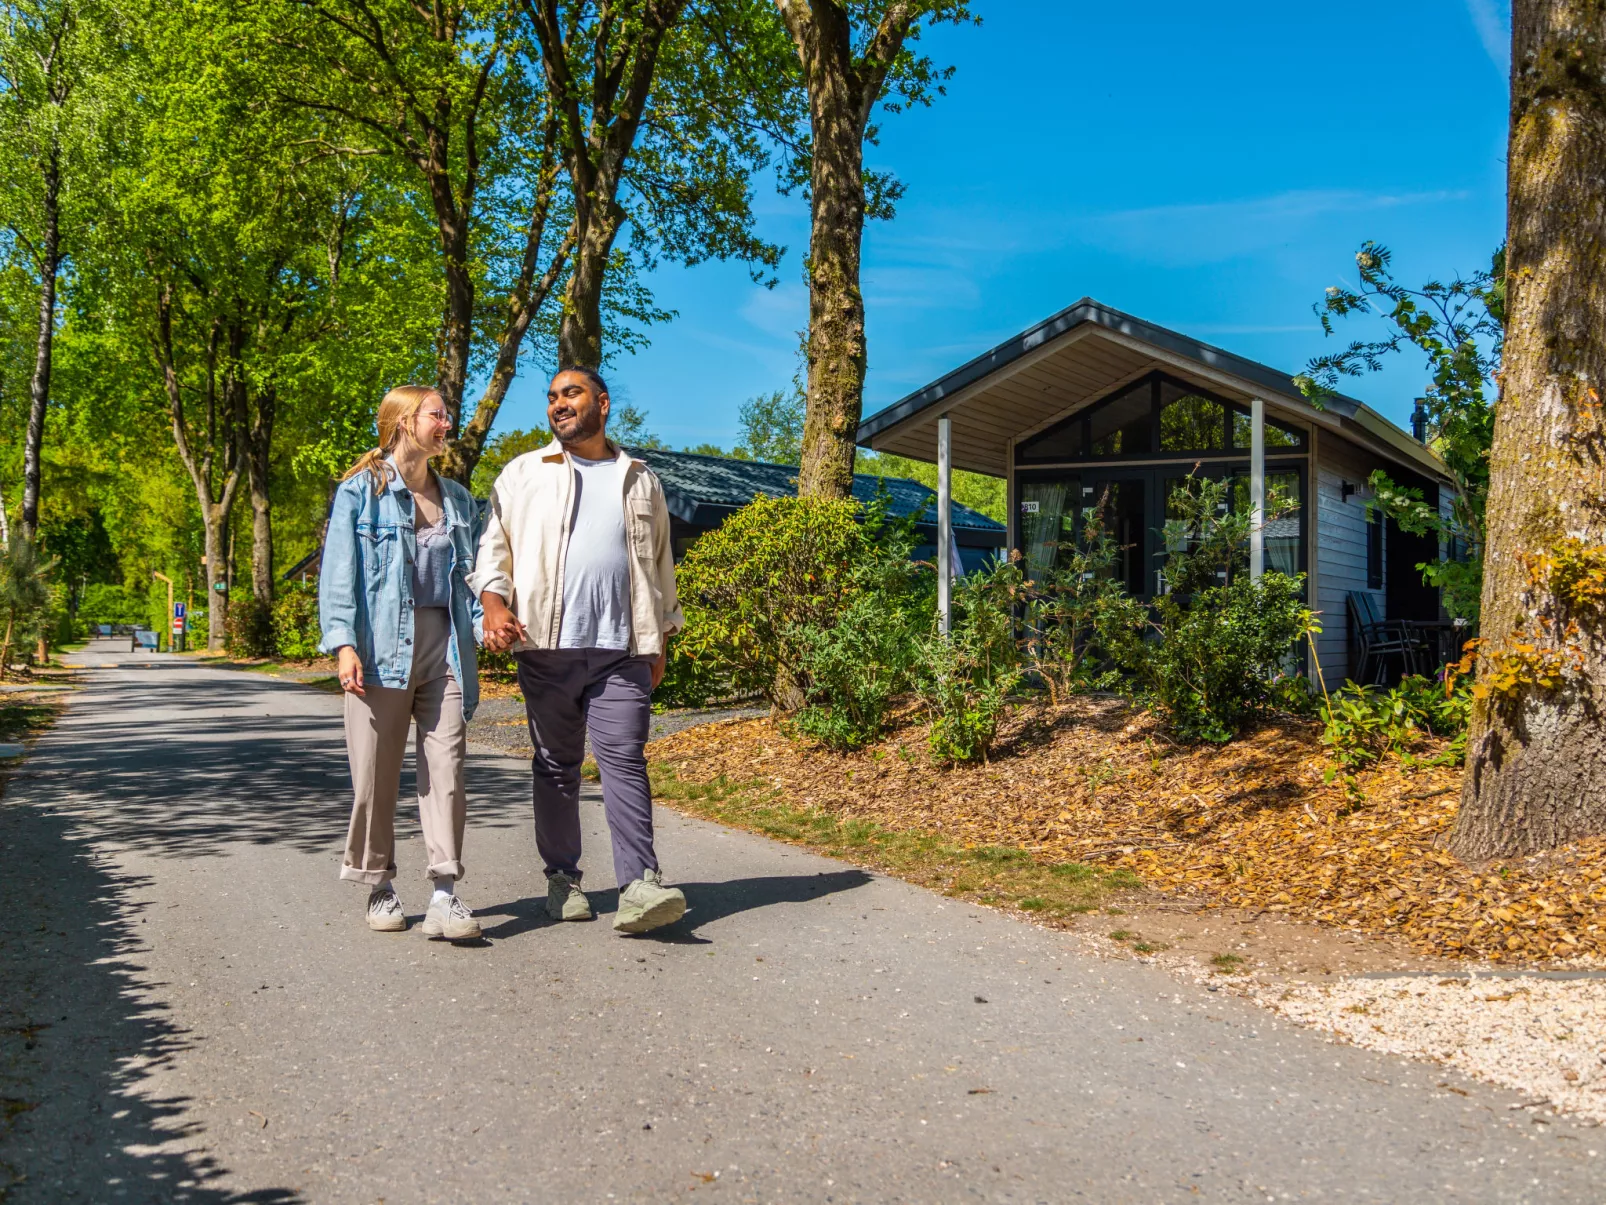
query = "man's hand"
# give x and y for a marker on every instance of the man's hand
(658, 664)
(500, 626)
(350, 671)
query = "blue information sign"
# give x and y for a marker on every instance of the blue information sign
(178, 610)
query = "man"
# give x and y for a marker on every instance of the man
(576, 575)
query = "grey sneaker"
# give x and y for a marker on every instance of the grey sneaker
(385, 913)
(451, 919)
(564, 899)
(648, 904)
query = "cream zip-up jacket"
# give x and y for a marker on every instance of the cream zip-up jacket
(527, 537)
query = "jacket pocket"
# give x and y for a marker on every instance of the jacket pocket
(377, 544)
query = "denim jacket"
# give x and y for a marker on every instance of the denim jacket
(365, 587)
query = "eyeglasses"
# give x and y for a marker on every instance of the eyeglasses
(438, 416)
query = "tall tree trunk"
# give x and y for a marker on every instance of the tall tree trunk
(843, 90)
(457, 314)
(49, 264)
(258, 454)
(1536, 766)
(5, 645)
(580, 332)
(836, 347)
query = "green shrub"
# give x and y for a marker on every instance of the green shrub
(1217, 647)
(248, 626)
(294, 625)
(851, 671)
(25, 598)
(750, 590)
(966, 677)
(1069, 611)
(1361, 725)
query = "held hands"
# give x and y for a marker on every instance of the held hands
(501, 627)
(350, 671)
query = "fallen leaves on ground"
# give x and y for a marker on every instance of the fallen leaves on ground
(1253, 824)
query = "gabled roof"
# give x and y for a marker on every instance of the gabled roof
(1114, 345)
(703, 490)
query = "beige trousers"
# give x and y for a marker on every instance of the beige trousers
(376, 742)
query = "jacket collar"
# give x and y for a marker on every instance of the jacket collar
(555, 451)
(398, 487)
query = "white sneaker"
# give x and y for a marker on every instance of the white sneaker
(451, 919)
(385, 913)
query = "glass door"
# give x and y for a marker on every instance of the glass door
(1121, 500)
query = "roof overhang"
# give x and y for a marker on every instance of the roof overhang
(1080, 355)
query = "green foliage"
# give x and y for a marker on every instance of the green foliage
(25, 600)
(102, 603)
(1459, 328)
(1212, 654)
(980, 492)
(1361, 725)
(772, 427)
(296, 630)
(851, 670)
(248, 629)
(751, 587)
(968, 675)
(500, 452)
(1071, 609)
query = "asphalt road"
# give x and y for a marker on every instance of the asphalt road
(194, 1011)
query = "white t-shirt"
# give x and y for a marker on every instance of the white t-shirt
(596, 565)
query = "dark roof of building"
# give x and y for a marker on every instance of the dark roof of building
(703, 490)
(1087, 310)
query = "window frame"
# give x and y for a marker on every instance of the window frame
(1153, 382)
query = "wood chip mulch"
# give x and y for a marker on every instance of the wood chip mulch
(1253, 824)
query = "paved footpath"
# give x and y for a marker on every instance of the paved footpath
(195, 1008)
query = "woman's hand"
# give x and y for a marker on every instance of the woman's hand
(499, 626)
(350, 670)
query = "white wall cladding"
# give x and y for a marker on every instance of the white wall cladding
(1341, 542)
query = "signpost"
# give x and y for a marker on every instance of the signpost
(176, 611)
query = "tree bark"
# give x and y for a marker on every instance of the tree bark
(842, 92)
(1536, 765)
(49, 263)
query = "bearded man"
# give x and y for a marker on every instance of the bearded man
(577, 576)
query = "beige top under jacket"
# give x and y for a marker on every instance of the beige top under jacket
(527, 535)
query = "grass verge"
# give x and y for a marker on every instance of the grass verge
(985, 874)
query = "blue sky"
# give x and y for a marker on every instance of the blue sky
(1210, 168)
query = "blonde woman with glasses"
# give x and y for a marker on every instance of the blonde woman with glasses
(396, 610)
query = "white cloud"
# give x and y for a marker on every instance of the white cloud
(1182, 235)
(1491, 19)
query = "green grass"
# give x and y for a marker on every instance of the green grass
(1226, 962)
(990, 874)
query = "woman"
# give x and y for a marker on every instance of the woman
(396, 611)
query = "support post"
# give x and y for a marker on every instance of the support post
(162, 577)
(945, 522)
(1257, 488)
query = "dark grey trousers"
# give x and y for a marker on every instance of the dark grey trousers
(566, 692)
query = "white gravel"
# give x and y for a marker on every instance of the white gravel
(1544, 1038)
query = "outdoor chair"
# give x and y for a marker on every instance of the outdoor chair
(1375, 639)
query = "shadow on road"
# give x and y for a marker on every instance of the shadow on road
(77, 1034)
(709, 902)
(199, 765)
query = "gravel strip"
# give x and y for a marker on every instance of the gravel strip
(1545, 1038)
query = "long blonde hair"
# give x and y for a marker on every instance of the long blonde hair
(397, 411)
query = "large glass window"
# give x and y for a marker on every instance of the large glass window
(1047, 519)
(1277, 435)
(1191, 422)
(1282, 533)
(1154, 416)
(1120, 427)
